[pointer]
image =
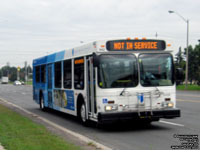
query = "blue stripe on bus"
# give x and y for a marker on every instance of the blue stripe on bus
(49, 59)
(60, 55)
(39, 61)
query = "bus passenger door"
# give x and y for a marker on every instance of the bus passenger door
(49, 85)
(91, 91)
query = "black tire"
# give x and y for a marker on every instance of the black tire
(82, 114)
(42, 107)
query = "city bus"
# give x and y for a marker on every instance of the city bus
(109, 80)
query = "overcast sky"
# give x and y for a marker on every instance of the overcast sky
(34, 28)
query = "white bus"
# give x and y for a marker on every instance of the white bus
(111, 80)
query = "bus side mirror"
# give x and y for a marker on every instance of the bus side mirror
(95, 60)
(179, 76)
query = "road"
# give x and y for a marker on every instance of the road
(126, 136)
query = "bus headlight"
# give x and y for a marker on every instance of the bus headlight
(111, 107)
(168, 104)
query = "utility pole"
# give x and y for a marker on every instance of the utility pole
(25, 72)
(187, 44)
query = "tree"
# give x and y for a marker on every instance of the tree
(197, 61)
(179, 59)
(179, 63)
(11, 72)
(194, 64)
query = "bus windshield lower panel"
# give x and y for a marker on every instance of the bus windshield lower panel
(156, 70)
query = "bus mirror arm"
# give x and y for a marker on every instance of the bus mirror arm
(95, 60)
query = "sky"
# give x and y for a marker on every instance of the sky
(34, 28)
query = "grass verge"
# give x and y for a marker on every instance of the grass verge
(29, 83)
(190, 87)
(20, 133)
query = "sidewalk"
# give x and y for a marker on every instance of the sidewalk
(1, 147)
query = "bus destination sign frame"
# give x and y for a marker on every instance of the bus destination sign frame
(136, 45)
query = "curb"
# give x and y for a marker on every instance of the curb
(1, 147)
(77, 135)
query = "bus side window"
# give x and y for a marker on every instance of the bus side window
(79, 73)
(37, 74)
(57, 75)
(67, 82)
(43, 73)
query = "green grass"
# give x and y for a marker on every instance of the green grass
(20, 133)
(190, 87)
(29, 83)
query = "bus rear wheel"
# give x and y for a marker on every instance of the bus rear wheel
(42, 107)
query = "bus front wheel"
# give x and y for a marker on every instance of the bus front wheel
(82, 114)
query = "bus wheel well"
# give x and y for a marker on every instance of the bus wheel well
(80, 100)
(41, 101)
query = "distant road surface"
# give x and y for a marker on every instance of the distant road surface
(158, 136)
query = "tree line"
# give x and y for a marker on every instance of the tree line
(193, 63)
(11, 73)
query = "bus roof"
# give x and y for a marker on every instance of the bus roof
(66, 54)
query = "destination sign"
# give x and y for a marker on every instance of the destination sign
(134, 45)
(79, 61)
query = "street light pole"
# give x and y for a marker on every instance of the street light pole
(187, 44)
(187, 57)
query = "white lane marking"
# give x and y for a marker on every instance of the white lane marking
(77, 135)
(171, 123)
(188, 95)
(182, 100)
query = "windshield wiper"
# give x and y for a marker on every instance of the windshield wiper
(122, 92)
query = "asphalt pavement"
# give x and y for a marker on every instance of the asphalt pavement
(123, 136)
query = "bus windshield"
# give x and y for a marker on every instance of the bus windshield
(117, 71)
(156, 70)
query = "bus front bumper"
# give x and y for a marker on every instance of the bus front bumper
(135, 115)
